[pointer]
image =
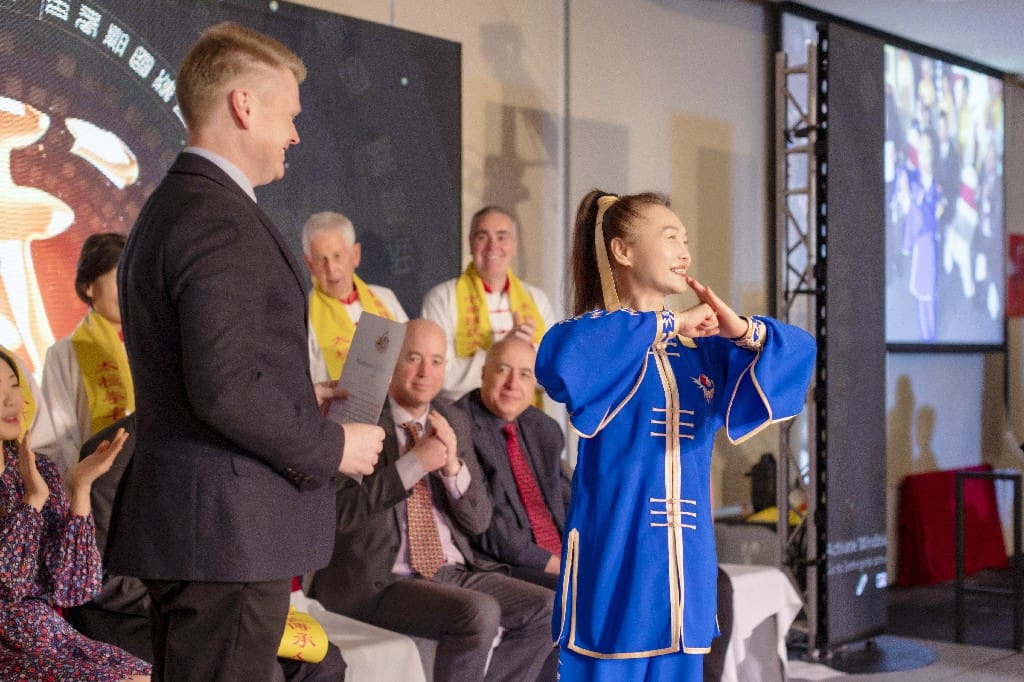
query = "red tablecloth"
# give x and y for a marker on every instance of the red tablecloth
(927, 527)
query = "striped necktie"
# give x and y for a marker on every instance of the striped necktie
(425, 553)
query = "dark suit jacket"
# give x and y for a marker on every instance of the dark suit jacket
(233, 468)
(368, 536)
(509, 538)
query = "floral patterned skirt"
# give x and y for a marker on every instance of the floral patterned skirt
(37, 645)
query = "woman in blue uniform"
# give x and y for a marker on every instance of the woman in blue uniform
(647, 388)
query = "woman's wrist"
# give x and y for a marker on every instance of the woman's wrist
(753, 338)
(746, 332)
(81, 505)
(35, 503)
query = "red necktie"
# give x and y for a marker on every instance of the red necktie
(425, 553)
(544, 531)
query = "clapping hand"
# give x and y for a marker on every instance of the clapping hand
(99, 462)
(523, 327)
(436, 448)
(91, 468)
(36, 490)
(442, 431)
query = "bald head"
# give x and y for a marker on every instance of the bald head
(419, 372)
(508, 382)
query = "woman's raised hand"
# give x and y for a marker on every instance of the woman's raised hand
(100, 461)
(700, 320)
(36, 490)
(729, 323)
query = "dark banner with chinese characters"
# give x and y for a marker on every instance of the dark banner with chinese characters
(89, 125)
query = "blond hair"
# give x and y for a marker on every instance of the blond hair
(223, 52)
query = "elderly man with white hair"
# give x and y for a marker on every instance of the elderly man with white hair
(339, 296)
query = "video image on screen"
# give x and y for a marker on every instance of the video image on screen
(944, 203)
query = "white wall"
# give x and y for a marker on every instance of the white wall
(671, 97)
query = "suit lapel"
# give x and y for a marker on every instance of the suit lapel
(293, 263)
(490, 441)
(533, 449)
(188, 163)
(497, 449)
(387, 422)
(547, 483)
(389, 453)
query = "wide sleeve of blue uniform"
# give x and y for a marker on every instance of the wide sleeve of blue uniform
(592, 363)
(773, 386)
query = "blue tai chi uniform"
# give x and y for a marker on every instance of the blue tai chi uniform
(638, 573)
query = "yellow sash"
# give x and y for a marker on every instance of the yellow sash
(304, 639)
(105, 372)
(28, 412)
(473, 328)
(333, 325)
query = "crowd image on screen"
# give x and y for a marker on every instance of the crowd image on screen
(943, 174)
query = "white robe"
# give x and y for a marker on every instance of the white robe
(462, 375)
(65, 423)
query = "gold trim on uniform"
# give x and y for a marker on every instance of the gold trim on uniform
(571, 551)
(673, 494)
(764, 401)
(610, 415)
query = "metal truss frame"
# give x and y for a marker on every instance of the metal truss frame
(801, 231)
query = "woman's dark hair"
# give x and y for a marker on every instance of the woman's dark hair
(100, 254)
(13, 365)
(586, 279)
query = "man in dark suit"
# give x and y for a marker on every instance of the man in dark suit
(229, 494)
(119, 614)
(402, 558)
(520, 450)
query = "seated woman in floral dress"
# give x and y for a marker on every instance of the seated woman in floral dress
(48, 558)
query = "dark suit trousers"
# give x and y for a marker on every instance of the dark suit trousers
(462, 610)
(131, 632)
(217, 632)
(536, 576)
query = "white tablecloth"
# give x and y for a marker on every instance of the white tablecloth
(759, 593)
(371, 653)
(764, 606)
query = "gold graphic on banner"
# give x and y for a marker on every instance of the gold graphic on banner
(26, 214)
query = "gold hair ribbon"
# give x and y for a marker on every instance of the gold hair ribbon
(611, 296)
